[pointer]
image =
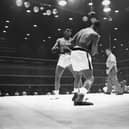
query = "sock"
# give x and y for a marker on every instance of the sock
(75, 90)
(83, 90)
(56, 92)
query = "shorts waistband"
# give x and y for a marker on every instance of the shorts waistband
(81, 49)
(65, 53)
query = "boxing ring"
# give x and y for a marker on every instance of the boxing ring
(43, 112)
(36, 108)
(19, 76)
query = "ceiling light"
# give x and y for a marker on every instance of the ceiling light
(25, 38)
(4, 31)
(7, 21)
(41, 8)
(48, 12)
(115, 28)
(27, 4)
(106, 2)
(28, 11)
(107, 9)
(62, 3)
(6, 27)
(36, 9)
(58, 29)
(35, 25)
(70, 19)
(19, 3)
(90, 3)
(54, 11)
(116, 11)
(28, 34)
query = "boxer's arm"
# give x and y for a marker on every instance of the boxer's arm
(95, 41)
(112, 63)
(56, 45)
(74, 40)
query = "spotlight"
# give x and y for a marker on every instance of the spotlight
(90, 3)
(7, 21)
(58, 29)
(6, 27)
(62, 3)
(70, 18)
(106, 2)
(27, 4)
(4, 31)
(35, 25)
(28, 34)
(41, 8)
(116, 11)
(19, 3)
(48, 12)
(25, 38)
(54, 11)
(115, 28)
(107, 9)
(36, 9)
(28, 11)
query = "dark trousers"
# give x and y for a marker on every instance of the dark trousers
(112, 80)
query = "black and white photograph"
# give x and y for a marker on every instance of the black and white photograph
(64, 64)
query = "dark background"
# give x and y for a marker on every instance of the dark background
(37, 46)
(22, 23)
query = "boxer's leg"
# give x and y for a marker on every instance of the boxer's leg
(58, 75)
(109, 84)
(117, 84)
(89, 79)
(77, 83)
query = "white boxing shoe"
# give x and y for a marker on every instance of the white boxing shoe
(55, 95)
